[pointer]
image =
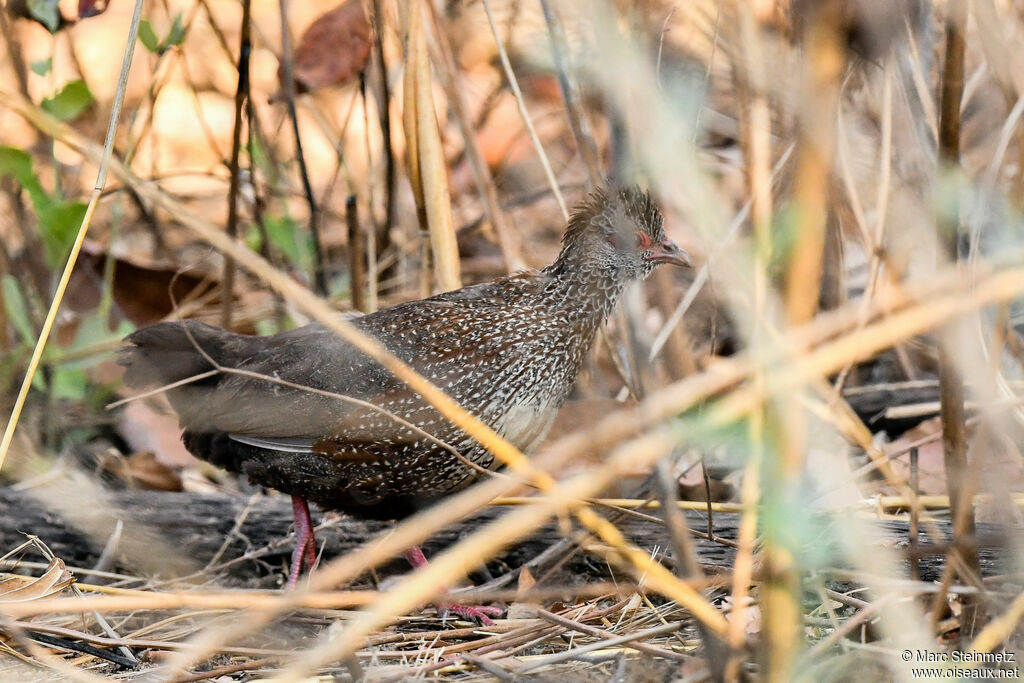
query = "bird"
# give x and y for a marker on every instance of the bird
(306, 413)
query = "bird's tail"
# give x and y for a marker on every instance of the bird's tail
(172, 351)
(244, 398)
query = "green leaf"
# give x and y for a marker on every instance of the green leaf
(17, 309)
(70, 380)
(70, 384)
(785, 235)
(175, 36)
(11, 365)
(266, 327)
(258, 153)
(281, 231)
(89, 347)
(253, 238)
(17, 164)
(93, 331)
(148, 37)
(70, 102)
(46, 12)
(59, 220)
(58, 225)
(42, 67)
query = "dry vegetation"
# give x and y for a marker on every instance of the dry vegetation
(839, 377)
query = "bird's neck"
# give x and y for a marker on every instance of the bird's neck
(586, 293)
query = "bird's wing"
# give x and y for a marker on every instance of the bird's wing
(395, 422)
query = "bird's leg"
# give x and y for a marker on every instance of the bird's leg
(304, 554)
(480, 613)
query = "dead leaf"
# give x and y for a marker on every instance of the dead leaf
(91, 8)
(143, 288)
(931, 467)
(148, 428)
(333, 50)
(17, 588)
(523, 608)
(143, 471)
(752, 616)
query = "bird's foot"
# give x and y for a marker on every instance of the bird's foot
(479, 613)
(304, 554)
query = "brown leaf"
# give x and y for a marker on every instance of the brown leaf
(523, 608)
(148, 428)
(334, 48)
(526, 582)
(143, 470)
(16, 588)
(143, 288)
(91, 8)
(931, 467)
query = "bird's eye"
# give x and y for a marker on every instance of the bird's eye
(643, 240)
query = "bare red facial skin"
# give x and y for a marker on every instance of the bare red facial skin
(669, 252)
(643, 240)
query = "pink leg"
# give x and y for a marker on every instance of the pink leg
(480, 613)
(304, 554)
(416, 558)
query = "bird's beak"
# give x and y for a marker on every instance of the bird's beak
(668, 251)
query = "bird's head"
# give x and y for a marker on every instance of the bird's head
(621, 232)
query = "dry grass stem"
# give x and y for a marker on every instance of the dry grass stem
(427, 167)
(513, 83)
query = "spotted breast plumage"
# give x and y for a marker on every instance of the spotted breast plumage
(281, 409)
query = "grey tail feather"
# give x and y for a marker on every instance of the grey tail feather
(167, 352)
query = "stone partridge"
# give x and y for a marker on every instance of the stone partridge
(507, 350)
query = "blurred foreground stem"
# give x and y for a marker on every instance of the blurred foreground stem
(756, 140)
(951, 383)
(824, 65)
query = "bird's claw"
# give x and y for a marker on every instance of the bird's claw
(479, 613)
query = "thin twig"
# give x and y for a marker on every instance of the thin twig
(384, 111)
(356, 255)
(510, 76)
(288, 85)
(241, 95)
(508, 239)
(577, 121)
(620, 640)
